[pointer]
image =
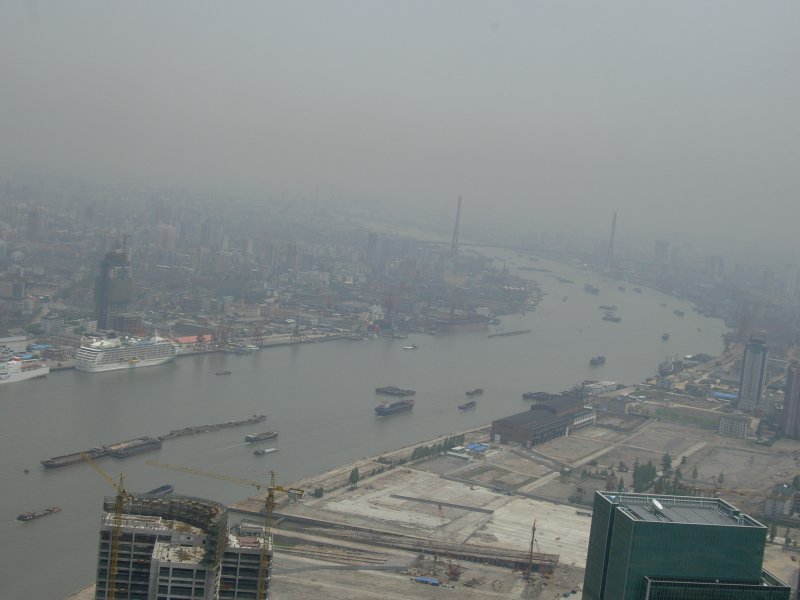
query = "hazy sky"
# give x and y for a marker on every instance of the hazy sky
(678, 114)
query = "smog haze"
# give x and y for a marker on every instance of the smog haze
(681, 116)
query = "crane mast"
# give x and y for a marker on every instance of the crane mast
(116, 533)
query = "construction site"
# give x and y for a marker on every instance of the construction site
(501, 521)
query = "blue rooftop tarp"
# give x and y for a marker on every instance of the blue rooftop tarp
(725, 396)
(428, 580)
(476, 447)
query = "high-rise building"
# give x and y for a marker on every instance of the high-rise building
(717, 264)
(791, 402)
(661, 252)
(113, 288)
(35, 223)
(180, 547)
(751, 379)
(646, 547)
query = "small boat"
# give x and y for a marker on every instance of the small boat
(665, 336)
(263, 451)
(678, 313)
(596, 361)
(475, 392)
(411, 347)
(612, 318)
(621, 288)
(637, 290)
(38, 514)
(467, 405)
(607, 307)
(163, 490)
(257, 437)
(222, 373)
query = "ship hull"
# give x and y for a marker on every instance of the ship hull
(151, 362)
(384, 410)
(23, 375)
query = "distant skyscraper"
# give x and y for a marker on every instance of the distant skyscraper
(35, 221)
(751, 380)
(717, 266)
(661, 252)
(791, 402)
(791, 280)
(113, 288)
(648, 547)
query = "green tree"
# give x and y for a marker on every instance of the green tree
(694, 472)
(354, 477)
(787, 537)
(773, 531)
(721, 478)
(796, 483)
(666, 463)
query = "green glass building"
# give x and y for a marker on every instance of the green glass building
(643, 546)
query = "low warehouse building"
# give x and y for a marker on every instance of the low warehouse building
(557, 417)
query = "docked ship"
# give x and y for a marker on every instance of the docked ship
(124, 353)
(385, 409)
(596, 361)
(393, 390)
(18, 369)
(257, 437)
(30, 516)
(467, 405)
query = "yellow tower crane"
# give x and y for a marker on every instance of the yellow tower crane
(269, 505)
(119, 503)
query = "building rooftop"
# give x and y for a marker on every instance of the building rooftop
(680, 509)
(178, 553)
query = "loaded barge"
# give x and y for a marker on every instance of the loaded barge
(140, 444)
(384, 409)
(38, 514)
(393, 390)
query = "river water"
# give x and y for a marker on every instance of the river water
(319, 396)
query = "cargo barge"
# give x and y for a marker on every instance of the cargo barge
(38, 514)
(510, 333)
(475, 392)
(257, 437)
(142, 444)
(162, 490)
(385, 409)
(467, 405)
(393, 390)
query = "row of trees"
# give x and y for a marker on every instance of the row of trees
(435, 449)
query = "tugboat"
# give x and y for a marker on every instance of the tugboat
(38, 514)
(411, 347)
(611, 317)
(467, 405)
(678, 313)
(475, 392)
(596, 361)
(222, 373)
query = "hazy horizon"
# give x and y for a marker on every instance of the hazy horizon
(680, 116)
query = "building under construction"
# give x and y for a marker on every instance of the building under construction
(171, 547)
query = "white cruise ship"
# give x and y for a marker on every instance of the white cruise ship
(124, 353)
(19, 370)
